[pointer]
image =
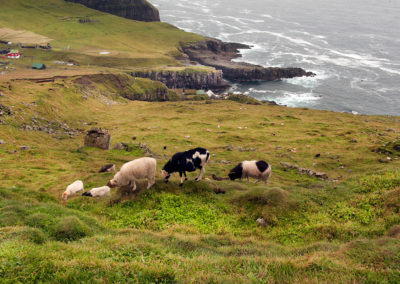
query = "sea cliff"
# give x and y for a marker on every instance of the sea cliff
(139, 10)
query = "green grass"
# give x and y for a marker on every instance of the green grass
(130, 43)
(316, 231)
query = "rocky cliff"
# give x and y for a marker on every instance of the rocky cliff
(189, 79)
(218, 54)
(125, 86)
(139, 10)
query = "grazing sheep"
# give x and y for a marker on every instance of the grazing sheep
(188, 161)
(259, 170)
(134, 170)
(98, 192)
(73, 188)
(107, 168)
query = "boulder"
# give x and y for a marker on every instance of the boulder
(98, 138)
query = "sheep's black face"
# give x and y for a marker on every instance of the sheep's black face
(236, 172)
(234, 175)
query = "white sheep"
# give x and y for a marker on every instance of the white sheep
(259, 170)
(72, 189)
(98, 192)
(132, 171)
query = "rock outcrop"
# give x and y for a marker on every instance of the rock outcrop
(188, 79)
(218, 54)
(98, 138)
(139, 10)
(126, 86)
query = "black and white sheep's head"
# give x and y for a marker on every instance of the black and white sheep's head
(236, 172)
(166, 171)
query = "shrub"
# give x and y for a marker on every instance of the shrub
(70, 229)
(243, 99)
(388, 180)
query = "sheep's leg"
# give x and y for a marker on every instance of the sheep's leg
(133, 185)
(150, 182)
(201, 173)
(180, 174)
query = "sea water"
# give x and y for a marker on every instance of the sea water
(352, 46)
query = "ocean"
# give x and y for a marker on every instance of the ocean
(352, 46)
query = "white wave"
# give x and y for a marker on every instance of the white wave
(297, 99)
(309, 82)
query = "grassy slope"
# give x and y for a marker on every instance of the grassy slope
(317, 230)
(130, 43)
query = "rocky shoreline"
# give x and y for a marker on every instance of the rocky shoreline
(219, 54)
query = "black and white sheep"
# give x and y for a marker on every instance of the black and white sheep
(98, 192)
(108, 168)
(187, 161)
(132, 171)
(72, 189)
(259, 170)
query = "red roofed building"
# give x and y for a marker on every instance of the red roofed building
(14, 53)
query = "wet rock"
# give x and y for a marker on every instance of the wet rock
(98, 138)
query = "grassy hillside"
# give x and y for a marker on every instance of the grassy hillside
(129, 43)
(345, 229)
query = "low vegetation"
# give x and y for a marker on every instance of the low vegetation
(344, 229)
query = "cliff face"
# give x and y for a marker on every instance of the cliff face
(139, 10)
(218, 54)
(126, 86)
(187, 79)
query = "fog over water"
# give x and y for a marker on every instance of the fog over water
(352, 46)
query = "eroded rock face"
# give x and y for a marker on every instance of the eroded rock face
(189, 80)
(98, 138)
(218, 54)
(139, 10)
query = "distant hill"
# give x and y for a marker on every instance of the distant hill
(139, 10)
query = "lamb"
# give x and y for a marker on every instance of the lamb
(72, 189)
(188, 161)
(259, 170)
(98, 192)
(134, 170)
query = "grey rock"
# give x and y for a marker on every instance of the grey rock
(25, 147)
(98, 138)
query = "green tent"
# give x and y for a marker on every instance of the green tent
(39, 66)
(200, 92)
